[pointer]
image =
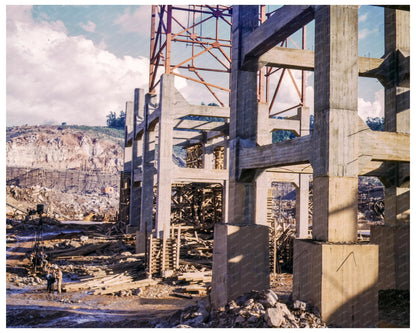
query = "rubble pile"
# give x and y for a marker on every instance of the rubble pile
(252, 310)
(61, 205)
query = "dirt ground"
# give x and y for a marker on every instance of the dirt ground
(28, 305)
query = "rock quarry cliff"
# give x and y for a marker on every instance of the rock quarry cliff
(62, 148)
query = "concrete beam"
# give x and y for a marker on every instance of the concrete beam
(204, 111)
(201, 125)
(284, 124)
(386, 146)
(285, 21)
(188, 175)
(199, 137)
(295, 151)
(304, 60)
(304, 168)
(153, 118)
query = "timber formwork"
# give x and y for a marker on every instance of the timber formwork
(333, 271)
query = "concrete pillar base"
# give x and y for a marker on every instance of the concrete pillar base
(140, 242)
(241, 261)
(394, 255)
(340, 280)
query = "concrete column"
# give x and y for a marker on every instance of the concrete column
(208, 156)
(262, 186)
(397, 113)
(393, 237)
(129, 129)
(334, 136)
(333, 272)
(264, 137)
(302, 206)
(243, 120)
(125, 192)
(146, 216)
(302, 189)
(240, 262)
(137, 148)
(165, 163)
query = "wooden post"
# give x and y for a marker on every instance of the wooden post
(178, 247)
(150, 257)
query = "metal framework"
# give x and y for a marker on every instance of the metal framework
(184, 37)
(179, 43)
(268, 74)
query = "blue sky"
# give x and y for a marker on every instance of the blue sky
(75, 64)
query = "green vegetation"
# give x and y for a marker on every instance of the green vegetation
(116, 122)
(376, 123)
(115, 133)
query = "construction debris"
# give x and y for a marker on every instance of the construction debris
(252, 310)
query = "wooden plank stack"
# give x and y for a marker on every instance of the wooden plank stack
(162, 255)
(195, 282)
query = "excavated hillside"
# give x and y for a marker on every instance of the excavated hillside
(64, 168)
(62, 148)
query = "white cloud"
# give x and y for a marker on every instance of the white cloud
(287, 95)
(364, 33)
(136, 21)
(363, 18)
(368, 109)
(90, 26)
(54, 78)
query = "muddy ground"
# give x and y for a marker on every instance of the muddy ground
(29, 305)
(87, 255)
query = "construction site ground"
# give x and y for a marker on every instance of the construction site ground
(105, 285)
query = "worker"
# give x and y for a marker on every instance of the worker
(59, 280)
(51, 279)
(43, 260)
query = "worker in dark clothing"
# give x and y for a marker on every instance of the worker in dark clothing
(50, 277)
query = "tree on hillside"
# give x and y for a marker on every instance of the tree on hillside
(375, 123)
(116, 122)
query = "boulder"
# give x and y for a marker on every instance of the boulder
(274, 317)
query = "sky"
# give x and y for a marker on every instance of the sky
(76, 64)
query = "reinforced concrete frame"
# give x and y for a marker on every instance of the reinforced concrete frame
(332, 271)
(169, 30)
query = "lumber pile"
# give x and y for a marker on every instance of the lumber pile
(110, 284)
(195, 282)
(80, 251)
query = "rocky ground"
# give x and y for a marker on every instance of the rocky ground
(105, 285)
(60, 205)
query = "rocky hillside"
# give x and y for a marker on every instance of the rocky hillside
(64, 147)
(38, 159)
